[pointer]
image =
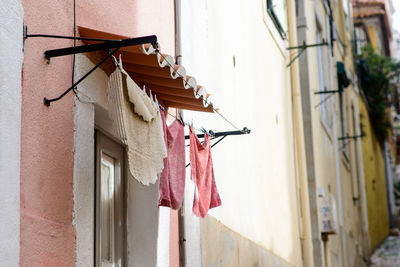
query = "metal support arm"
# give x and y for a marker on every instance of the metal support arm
(73, 87)
(351, 137)
(111, 46)
(219, 134)
(152, 39)
(328, 92)
(303, 48)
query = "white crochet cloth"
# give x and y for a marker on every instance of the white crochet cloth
(137, 121)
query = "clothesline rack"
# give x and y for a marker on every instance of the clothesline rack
(110, 46)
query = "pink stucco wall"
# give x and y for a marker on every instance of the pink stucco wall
(47, 233)
(174, 260)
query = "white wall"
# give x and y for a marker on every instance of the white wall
(11, 55)
(254, 174)
(142, 210)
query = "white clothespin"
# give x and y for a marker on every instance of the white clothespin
(155, 98)
(151, 97)
(115, 61)
(120, 60)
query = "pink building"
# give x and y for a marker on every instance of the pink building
(54, 157)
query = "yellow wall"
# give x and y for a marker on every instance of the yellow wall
(375, 182)
(373, 37)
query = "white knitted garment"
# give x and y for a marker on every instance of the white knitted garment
(138, 124)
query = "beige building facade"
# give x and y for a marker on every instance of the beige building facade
(332, 132)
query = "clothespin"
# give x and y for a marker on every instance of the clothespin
(115, 61)
(151, 97)
(155, 100)
(180, 119)
(158, 104)
(120, 60)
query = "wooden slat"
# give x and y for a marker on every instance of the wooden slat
(183, 100)
(188, 93)
(147, 70)
(188, 107)
(141, 59)
(148, 79)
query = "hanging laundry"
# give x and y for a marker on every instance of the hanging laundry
(202, 173)
(137, 122)
(172, 180)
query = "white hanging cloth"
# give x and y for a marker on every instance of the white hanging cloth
(137, 121)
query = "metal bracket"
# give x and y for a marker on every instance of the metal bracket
(111, 46)
(351, 137)
(328, 92)
(221, 134)
(101, 46)
(47, 101)
(303, 48)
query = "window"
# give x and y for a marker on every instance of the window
(277, 11)
(345, 4)
(343, 122)
(356, 175)
(323, 80)
(110, 226)
(361, 38)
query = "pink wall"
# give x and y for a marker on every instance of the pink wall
(47, 233)
(174, 260)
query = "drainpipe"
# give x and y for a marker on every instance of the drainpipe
(178, 56)
(299, 145)
(178, 60)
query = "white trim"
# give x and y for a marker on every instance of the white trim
(11, 54)
(282, 44)
(83, 216)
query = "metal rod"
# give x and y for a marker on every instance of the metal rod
(304, 46)
(26, 36)
(101, 46)
(48, 101)
(66, 37)
(351, 137)
(219, 134)
(296, 57)
(327, 92)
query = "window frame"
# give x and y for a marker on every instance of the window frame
(324, 78)
(275, 19)
(105, 145)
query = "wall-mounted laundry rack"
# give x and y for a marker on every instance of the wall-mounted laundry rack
(111, 47)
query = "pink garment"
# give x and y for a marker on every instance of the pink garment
(172, 180)
(202, 173)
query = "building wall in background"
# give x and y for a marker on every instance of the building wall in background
(375, 182)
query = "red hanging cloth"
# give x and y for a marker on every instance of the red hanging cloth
(202, 173)
(172, 180)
